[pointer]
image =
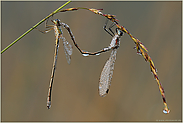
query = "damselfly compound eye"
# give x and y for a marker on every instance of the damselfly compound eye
(119, 32)
(57, 20)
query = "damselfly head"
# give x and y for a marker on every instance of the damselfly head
(119, 32)
(56, 22)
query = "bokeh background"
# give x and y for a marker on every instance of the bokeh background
(134, 94)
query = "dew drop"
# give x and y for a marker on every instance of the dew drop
(97, 54)
(85, 54)
(166, 111)
(100, 87)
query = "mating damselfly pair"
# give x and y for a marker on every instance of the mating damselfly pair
(107, 71)
(106, 75)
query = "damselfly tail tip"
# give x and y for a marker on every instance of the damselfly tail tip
(166, 111)
(49, 104)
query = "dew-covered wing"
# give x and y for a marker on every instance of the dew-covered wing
(67, 49)
(106, 75)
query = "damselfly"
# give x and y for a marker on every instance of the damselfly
(107, 71)
(67, 49)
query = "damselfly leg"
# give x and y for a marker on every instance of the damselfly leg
(105, 25)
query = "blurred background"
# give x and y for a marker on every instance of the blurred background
(133, 95)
